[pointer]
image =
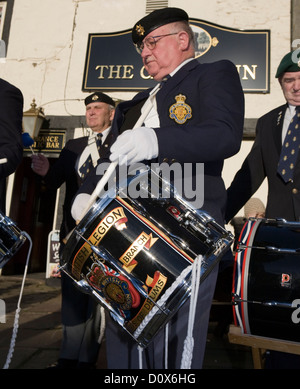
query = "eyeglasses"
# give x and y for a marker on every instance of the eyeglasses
(150, 42)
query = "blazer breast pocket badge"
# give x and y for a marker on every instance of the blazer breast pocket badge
(180, 111)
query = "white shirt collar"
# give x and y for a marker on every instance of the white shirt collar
(180, 66)
(104, 133)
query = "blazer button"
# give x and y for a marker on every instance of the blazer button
(294, 191)
(165, 160)
(173, 160)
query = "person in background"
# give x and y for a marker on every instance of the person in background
(11, 146)
(263, 160)
(275, 156)
(197, 118)
(80, 314)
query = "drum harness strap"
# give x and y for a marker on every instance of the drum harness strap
(17, 314)
(187, 354)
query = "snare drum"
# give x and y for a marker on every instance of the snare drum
(135, 256)
(11, 239)
(266, 282)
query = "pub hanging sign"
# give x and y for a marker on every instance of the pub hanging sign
(113, 64)
(48, 141)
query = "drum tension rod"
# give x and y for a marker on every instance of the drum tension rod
(236, 299)
(270, 249)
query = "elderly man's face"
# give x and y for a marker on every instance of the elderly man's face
(166, 55)
(99, 116)
(290, 84)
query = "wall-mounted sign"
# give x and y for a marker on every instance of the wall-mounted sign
(52, 269)
(113, 64)
(48, 141)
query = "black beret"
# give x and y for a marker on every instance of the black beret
(99, 97)
(289, 63)
(156, 19)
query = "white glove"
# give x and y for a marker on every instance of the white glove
(79, 206)
(134, 146)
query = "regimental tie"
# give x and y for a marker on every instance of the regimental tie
(88, 164)
(290, 149)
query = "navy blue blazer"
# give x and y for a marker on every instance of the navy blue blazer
(214, 101)
(283, 199)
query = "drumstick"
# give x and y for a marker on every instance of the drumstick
(100, 186)
(113, 165)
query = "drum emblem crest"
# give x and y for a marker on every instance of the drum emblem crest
(180, 111)
(120, 291)
(114, 287)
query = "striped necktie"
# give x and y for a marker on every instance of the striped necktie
(290, 149)
(88, 164)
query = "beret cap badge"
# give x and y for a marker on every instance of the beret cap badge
(140, 30)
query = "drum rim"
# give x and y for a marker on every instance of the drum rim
(241, 271)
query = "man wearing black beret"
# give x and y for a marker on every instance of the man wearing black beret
(196, 117)
(80, 313)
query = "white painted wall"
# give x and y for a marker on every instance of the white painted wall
(47, 48)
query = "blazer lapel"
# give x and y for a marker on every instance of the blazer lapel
(128, 112)
(277, 127)
(105, 147)
(174, 81)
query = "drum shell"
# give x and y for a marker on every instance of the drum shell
(166, 260)
(267, 279)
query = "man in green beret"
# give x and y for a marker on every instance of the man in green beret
(264, 157)
(275, 156)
